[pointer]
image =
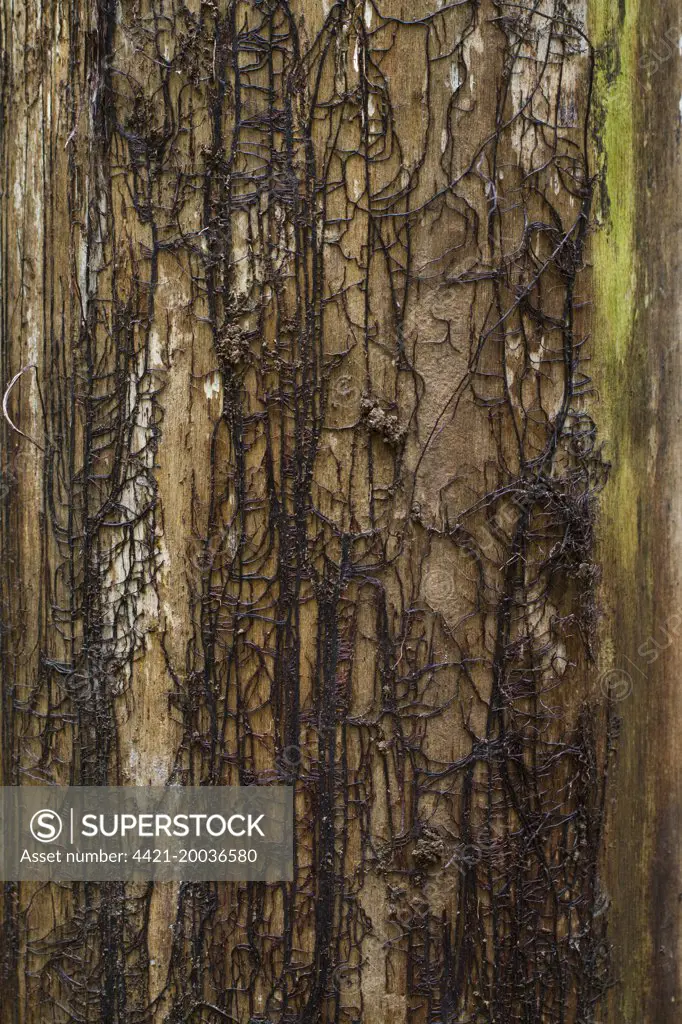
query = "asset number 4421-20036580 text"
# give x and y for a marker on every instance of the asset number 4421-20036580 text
(197, 856)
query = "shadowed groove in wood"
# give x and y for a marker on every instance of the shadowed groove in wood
(305, 285)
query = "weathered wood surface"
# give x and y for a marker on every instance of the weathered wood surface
(307, 304)
(637, 303)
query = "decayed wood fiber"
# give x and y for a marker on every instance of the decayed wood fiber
(305, 495)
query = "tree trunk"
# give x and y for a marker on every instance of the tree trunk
(301, 303)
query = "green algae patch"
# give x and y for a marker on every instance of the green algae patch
(615, 262)
(615, 82)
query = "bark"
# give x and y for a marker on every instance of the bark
(300, 487)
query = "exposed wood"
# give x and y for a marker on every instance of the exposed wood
(637, 337)
(310, 492)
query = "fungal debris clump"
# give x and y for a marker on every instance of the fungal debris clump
(232, 346)
(428, 850)
(381, 422)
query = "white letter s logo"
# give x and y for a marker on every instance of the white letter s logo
(46, 826)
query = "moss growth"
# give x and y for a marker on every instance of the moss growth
(625, 542)
(615, 247)
(615, 259)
